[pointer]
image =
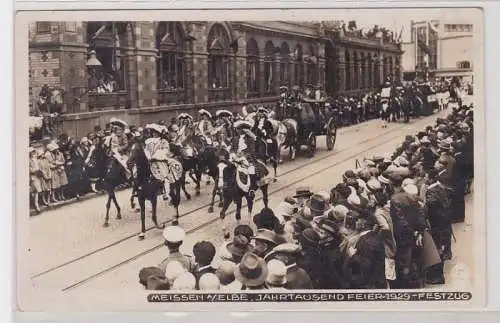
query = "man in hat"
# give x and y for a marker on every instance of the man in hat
(264, 130)
(437, 202)
(409, 222)
(205, 125)
(120, 145)
(174, 237)
(264, 241)
(251, 272)
(296, 276)
(225, 273)
(276, 278)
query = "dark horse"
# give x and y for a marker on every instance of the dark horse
(235, 184)
(145, 186)
(105, 170)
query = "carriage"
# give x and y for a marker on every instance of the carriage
(315, 118)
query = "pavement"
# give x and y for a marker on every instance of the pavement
(70, 251)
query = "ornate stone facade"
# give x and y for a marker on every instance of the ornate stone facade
(170, 67)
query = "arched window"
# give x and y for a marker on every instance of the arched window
(269, 68)
(285, 64)
(363, 70)
(253, 68)
(170, 64)
(299, 66)
(218, 63)
(312, 72)
(107, 39)
(370, 70)
(110, 41)
(347, 70)
(355, 82)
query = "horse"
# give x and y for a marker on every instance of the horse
(235, 182)
(104, 169)
(145, 186)
(286, 137)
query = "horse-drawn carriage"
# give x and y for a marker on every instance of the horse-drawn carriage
(312, 117)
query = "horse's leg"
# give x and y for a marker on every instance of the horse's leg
(197, 177)
(154, 203)
(176, 201)
(250, 201)
(183, 186)
(265, 195)
(142, 205)
(212, 201)
(132, 203)
(108, 205)
(118, 210)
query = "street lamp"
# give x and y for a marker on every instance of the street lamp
(93, 65)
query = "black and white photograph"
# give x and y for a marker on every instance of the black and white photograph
(172, 155)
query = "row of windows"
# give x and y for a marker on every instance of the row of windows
(45, 27)
(110, 39)
(458, 27)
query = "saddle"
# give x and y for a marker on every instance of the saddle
(169, 169)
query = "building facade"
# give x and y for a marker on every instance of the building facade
(441, 48)
(151, 71)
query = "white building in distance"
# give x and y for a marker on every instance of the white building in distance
(439, 49)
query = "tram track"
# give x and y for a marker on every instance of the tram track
(206, 205)
(196, 228)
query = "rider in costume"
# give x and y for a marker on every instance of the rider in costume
(118, 143)
(205, 125)
(264, 128)
(224, 127)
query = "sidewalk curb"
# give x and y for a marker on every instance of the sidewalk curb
(71, 201)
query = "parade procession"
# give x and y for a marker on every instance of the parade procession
(348, 176)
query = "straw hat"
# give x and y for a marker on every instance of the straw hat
(252, 270)
(186, 281)
(209, 281)
(277, 273)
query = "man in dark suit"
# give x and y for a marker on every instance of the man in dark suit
(437, 202)
(204, 253)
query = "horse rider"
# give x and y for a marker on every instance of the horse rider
(184, 121)
(264, 128)
(118, 143)
(157, 148)
(205, 125)
(243, 144)
(223, 130)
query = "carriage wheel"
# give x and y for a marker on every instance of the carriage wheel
(331, 135)
(312, 145)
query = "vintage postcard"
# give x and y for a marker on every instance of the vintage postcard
(250, 160)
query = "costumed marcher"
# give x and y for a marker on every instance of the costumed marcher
(118, 143)
(205, 126)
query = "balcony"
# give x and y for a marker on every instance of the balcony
(172, 96)
(220, 94)
(108, 101)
